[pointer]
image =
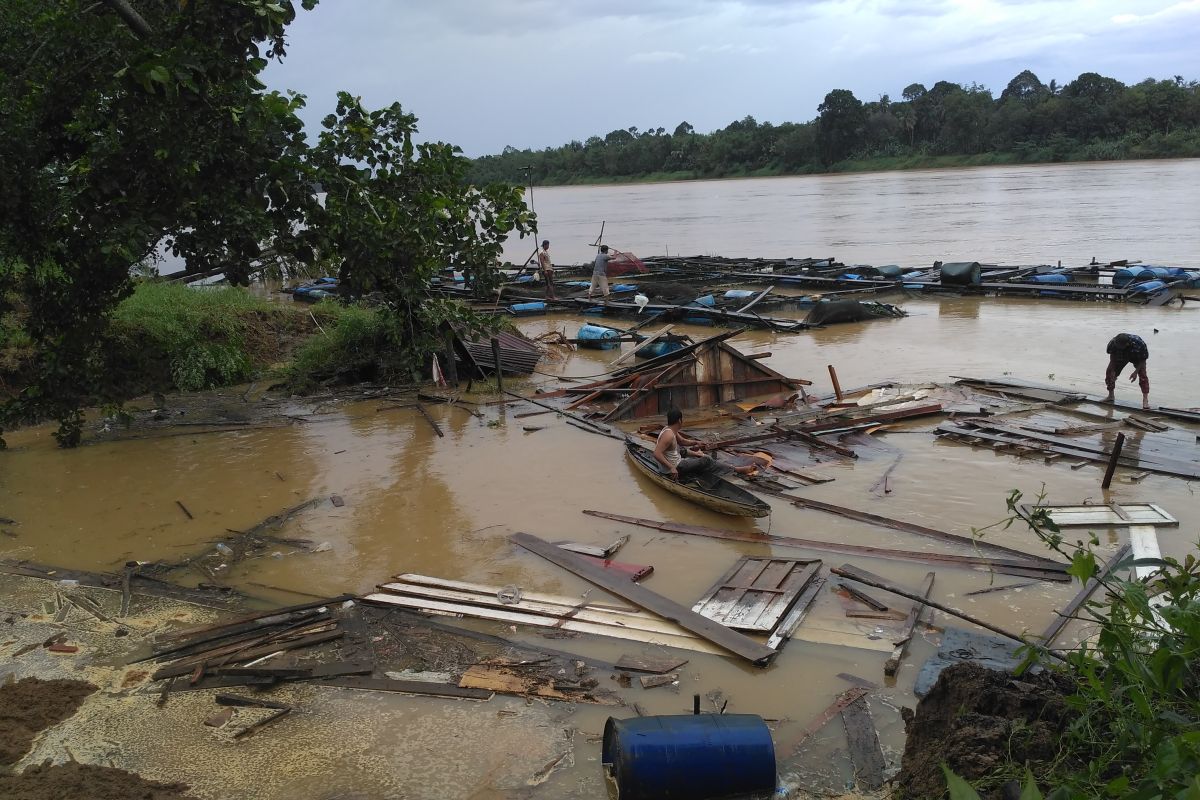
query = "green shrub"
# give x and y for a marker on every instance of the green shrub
(354, 343)
(200, 334)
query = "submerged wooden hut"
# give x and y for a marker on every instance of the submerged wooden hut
(707, 373)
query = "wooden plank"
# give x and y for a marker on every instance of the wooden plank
(634, 572)
(1064, 616)
(580, 611)
(651, 681)
(479, 588)
(844, 699)
(682, 640)
(175, 670)
(409, 687)
(755, 594)
(594, 550)
(658, 665)
(864, 598)
(862, 576)
(892, 665)
(638, 345)
(1043, 570)
(786, 628)
(686, 618)
(865, 752)
(1095, 515)
(908, 527)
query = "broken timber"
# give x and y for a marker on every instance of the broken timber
(862, 576)
(844, 699)
(1043, 570)
(892, 665)
(1055, 628)
(756, 592)
(699, 625)
(864, 744)
(794, 618)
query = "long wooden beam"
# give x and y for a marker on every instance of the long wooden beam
(1055, 628)
(892, 665)
(1026, 568)
(862, 576)
(687, 619)
(909, 527)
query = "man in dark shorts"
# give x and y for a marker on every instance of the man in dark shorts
(1123, 349)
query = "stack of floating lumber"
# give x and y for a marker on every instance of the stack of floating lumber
(536, 609)
(243, 652)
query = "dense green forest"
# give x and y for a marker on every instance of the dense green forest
(1092, 118)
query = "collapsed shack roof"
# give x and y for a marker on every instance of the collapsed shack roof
(518, 354)
(700, 375)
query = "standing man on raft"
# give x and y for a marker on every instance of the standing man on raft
(546, 266)
(1123, 349)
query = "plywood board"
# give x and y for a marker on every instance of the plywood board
(755, 593)
(1111, 516)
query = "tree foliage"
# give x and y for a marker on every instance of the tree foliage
(122, 136)
(1092, 117)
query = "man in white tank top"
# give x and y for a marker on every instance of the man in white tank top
(668, 455)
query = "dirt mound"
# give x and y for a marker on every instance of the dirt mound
(54, 782)
(31, 705)
(976, 720)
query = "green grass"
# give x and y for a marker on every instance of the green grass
(204, 335)
(353, 343)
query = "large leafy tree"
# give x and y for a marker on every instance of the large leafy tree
(840, 124)
(125, 129)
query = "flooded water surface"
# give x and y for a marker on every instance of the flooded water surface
(414, 502)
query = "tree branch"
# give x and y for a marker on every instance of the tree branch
(132, 19)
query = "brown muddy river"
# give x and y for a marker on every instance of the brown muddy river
(444, 507)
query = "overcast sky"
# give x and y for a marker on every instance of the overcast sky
(483, 74)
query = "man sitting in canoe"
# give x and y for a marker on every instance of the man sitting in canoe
(667, 453)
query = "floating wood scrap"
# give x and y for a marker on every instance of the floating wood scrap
(1061, 396)
(863, 741)
(436, 595)
(1055, 628)
(1144, 458)
(892, 665)
(862, 576)
(686, 618)
(1043, 570)
(508, 678)
(1098, 516)
(755, 593)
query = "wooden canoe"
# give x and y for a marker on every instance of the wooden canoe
(711, 491)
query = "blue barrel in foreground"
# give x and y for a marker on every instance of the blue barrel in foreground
(690, 757)
(527, 309)
(597, 336)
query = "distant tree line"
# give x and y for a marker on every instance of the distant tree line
(1090, 118)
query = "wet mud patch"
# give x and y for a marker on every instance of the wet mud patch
(977, 721)
(56, 781)
(29, 706)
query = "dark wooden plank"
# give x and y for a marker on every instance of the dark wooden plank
(684, 617)
(844, 699)
(892, 665)
(408, 687)
(1027, 568)
(650, 664)
(864, 745)
(1055, 628)
(249, 655)
(909, 527)
(862, 576)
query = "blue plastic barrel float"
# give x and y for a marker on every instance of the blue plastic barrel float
(851, 276)
(659, 348)
(891, 270)
(1147, 287)
(623, 287)
(961, 273)
(692, 757)
(739, 294)
(527, 309)
(1127, 275)
(1049, 277)
(1192, 279)
(707, 300)
(597, 337)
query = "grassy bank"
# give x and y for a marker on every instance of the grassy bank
(168, 337)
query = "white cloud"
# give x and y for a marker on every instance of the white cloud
(1177, 10)
(657, 57)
